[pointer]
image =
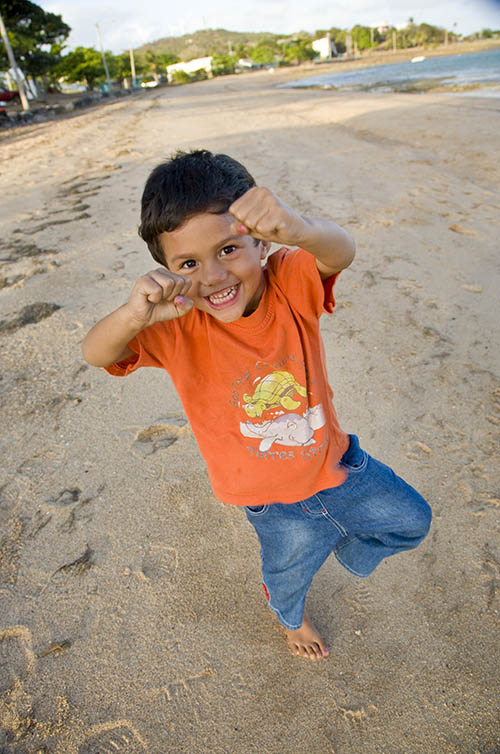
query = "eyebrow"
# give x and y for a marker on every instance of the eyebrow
(220, 244)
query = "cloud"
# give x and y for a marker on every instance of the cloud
(124, 23)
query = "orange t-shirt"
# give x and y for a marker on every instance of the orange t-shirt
(256, 391)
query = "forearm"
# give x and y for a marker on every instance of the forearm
(331, 245)
(107, 341)
(265, 216)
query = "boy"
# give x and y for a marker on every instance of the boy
(242, 345)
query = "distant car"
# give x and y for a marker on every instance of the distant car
(149, 84)
(8, 95)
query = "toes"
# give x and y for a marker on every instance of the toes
(309, 647)
(308, 651)
(300, 650)
(317, 653)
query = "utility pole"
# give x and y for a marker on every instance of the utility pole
(348, 43)
(13, 65)
(132, 66)
(103, 57)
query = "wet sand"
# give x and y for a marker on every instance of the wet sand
(131, 617)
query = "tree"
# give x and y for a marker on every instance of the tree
(265, 51)
(428, 34)
(223, 64)
(420, 35)
(242, 50)
(361, 36)
(124, 67)
(36, 36)
(156, 62)
(339, 37)
(85, 64)
(298, 51)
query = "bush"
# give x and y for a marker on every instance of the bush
(200, 75)
(181, 77)
(223, 64)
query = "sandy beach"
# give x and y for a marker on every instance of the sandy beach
(132, 618)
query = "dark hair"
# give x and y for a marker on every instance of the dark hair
(187, 184)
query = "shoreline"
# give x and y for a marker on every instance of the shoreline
(373, 58)
(57, 106)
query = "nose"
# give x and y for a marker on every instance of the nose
(213, 273)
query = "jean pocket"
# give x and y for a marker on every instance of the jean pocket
(356, 464)
(256, 510)
(355, 458)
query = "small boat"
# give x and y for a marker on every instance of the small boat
(418, 59)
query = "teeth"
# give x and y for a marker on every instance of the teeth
(221, 298)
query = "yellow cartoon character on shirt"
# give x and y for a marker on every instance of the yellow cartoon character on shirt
(274, 390)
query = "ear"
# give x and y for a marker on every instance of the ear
(264, 248)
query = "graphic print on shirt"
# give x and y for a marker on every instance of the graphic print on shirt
(276, 391)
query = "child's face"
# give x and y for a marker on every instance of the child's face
(225, 269)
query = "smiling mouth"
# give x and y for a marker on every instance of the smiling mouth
(225, 297)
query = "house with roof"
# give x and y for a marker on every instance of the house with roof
(325, 47)
(191, 67)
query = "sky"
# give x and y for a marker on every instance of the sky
(127, 23)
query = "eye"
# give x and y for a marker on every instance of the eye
(188, 264)
(227, 250)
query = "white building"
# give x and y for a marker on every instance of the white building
(325, 47)
(198, 64)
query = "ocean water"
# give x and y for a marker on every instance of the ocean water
(477, 68)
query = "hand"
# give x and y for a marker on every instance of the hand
(158, 296)
(262, 214)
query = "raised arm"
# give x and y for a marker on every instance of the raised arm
(264, 215)
(156, 297)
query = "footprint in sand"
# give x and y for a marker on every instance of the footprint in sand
(64, 509)
(356, 722)
(160, 562)
(80, 565)
(152, 439)
(28, 315)
(160, 435)
(360, 715)
(361, 601)
(66, 498)
(17, 659)
(186, 701)
(113, 738)
(17, 249)
(352, 727)
(52, 456)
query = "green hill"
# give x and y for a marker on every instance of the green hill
(205, 42)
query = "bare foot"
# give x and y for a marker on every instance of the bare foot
(306, 642)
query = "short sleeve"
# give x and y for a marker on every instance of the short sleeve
(298, 276)
(153, 347)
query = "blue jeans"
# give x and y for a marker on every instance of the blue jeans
(372, 515)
